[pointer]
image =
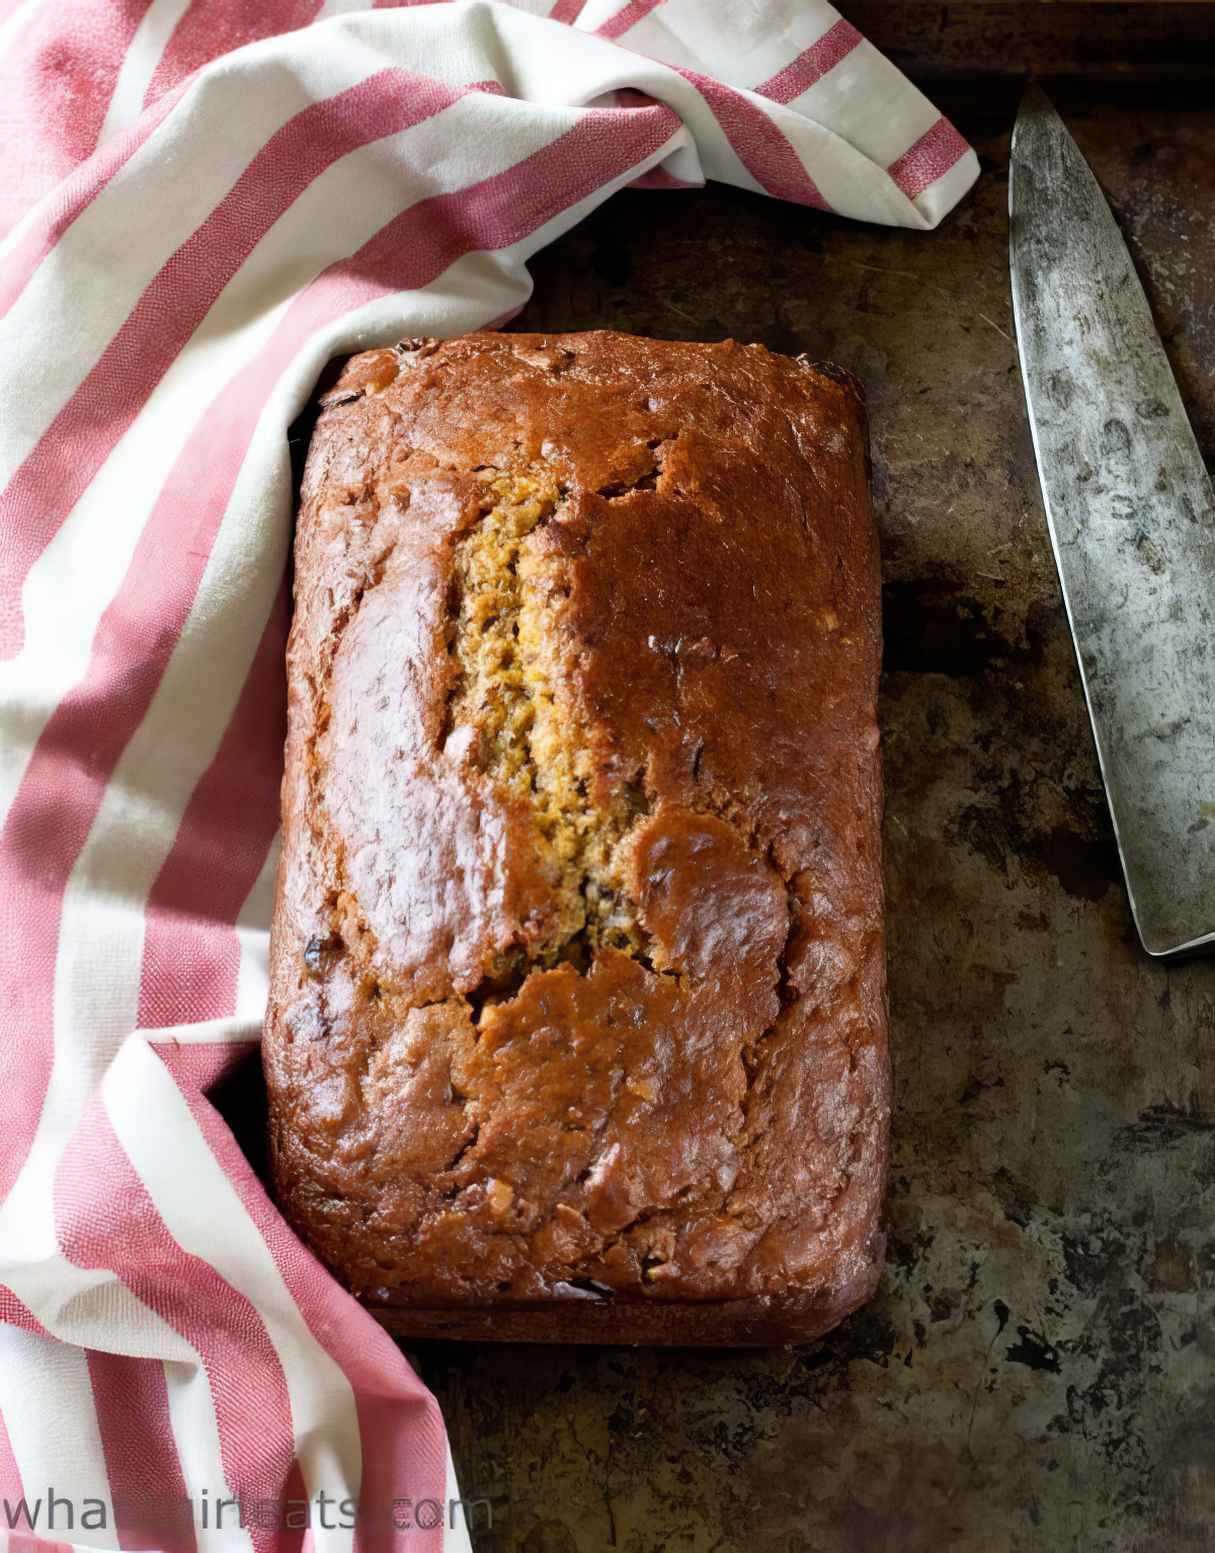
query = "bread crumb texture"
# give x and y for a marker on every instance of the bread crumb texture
(530, 738)
(577, 967)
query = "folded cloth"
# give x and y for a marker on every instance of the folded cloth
(210, 199)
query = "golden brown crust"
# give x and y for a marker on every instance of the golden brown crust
(577, 990)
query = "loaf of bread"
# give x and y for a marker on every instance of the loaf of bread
(577, 1026)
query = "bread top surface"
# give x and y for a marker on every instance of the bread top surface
(577, 969)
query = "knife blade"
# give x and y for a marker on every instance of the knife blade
(1131, 514)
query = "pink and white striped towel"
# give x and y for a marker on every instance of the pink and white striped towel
(205, 200)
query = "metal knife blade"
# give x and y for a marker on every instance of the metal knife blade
(1131, 513)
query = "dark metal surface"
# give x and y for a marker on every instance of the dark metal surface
(1170, 39)
(1131, 515)
(1038, 1370)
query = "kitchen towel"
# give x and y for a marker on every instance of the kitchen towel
(205, 201)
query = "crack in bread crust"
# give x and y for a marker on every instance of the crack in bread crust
(528, 734)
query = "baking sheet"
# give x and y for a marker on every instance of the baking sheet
(1037, 1371)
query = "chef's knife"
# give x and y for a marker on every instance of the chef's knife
(1132, 522)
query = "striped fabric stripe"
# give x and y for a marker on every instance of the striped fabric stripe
(12, 1489)
(59, 71)
(214, 198)
(147, 1488)
(69, 199)
(627, 17)
(196, 40)
(935, 153)
(15, 1312)
(257, 1447)
(760, 143)
(812, 64)
(191, 956)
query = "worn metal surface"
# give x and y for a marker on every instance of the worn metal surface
(1171, 39)
(1038, 1370)
(1131, 515)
